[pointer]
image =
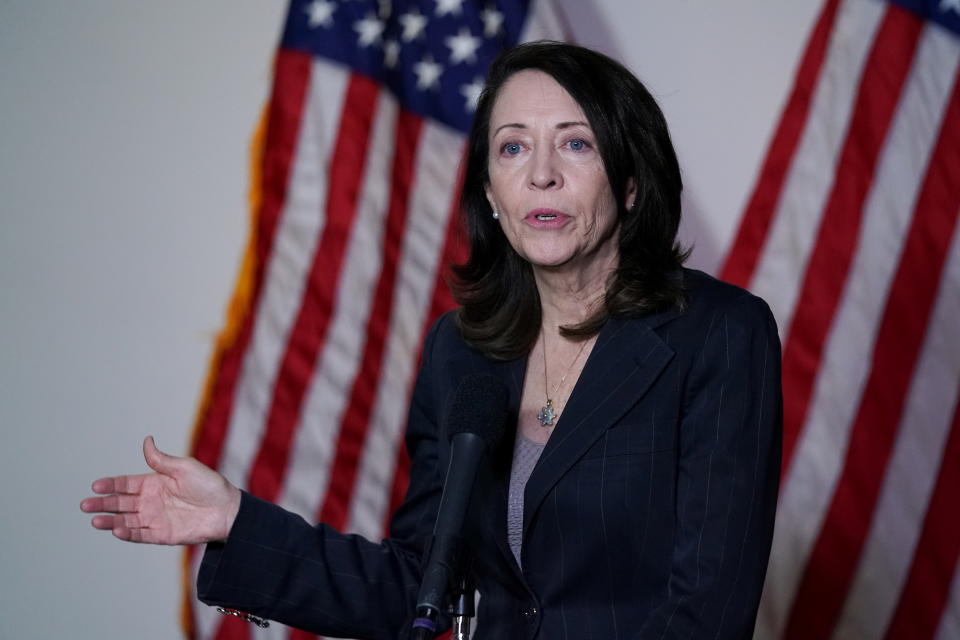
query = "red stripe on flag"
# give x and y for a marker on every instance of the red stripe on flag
(356, 421)
(927, 588)
(313, 318)
(290, 81)
(884, 75)
(836, 554)
(755, 224)
(291, 77)
(454, 252)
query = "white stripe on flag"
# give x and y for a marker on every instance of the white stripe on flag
(950, 624)
(298, 230)
(430, 204)
(888, 551)
(315, 440)
(810, 483)
(913, 469)
(783, 262)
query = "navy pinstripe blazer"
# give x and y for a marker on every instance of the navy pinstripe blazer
(649, 514)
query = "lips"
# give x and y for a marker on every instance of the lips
(546, 219)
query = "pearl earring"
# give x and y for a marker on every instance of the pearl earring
(496, 216)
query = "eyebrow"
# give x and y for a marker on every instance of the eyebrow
(560, 125)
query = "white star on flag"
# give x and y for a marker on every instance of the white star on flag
(492, 21)
(413, 25)
(428, 73)
(447, 7)
(463, 46)
(946, 5)
(368, 30)
(472, 93)
(391, 53)
(321, 13)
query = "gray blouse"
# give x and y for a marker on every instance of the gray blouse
(526, 452)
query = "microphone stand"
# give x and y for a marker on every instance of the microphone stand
(463, 609)
(474, 422)
(461, 604)
(458, 598)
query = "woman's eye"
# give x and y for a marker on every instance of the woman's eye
(512, 148)
(577, 144)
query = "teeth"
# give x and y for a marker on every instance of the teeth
(543, 216)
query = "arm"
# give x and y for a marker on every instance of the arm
(270, 562)
(276, 565)
(727, 479)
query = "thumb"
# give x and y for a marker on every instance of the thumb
(156, 459)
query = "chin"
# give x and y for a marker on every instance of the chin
(547, 254)
(549, 261)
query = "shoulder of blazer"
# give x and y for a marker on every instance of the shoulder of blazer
(707, 297)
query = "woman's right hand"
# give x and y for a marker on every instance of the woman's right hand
(184, 502)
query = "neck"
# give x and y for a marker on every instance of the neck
(569, 296)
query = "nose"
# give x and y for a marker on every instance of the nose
(544, 169)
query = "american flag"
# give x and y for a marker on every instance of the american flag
(355, 188)
(851, 236)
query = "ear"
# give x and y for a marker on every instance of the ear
(631, 195)
(489, 193)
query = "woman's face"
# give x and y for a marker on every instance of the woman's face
(547, 179)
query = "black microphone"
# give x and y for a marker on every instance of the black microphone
(474, 424)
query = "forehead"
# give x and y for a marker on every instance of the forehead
(530, 97)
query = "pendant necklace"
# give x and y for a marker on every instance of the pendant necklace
(547, 415)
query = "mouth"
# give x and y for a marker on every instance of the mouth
(546, 218)
(545, 214)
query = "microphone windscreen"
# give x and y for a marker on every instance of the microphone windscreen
(479, 406)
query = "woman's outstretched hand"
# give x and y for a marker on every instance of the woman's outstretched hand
(183, 502)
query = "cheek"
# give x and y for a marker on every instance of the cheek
(604, 213)
(498, 191)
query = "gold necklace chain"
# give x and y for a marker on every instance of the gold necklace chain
(547, 416)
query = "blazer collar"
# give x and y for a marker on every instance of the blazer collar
(627, 358)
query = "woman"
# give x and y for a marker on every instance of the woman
(634, 495)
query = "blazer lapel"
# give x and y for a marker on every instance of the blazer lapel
(625, 361)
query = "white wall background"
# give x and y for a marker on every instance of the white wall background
(124, 128)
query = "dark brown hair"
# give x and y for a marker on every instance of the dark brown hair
(500, 307)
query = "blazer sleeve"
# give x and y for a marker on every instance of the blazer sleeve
(275, 565)
(729, 468)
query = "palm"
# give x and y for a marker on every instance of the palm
(184, 502)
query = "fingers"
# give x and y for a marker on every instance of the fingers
(103, 523)
(118, 484)
(158, 460)
(120, 521)
(114, 522)
(125, 527)
(91, 505)
(115, 503)
(120, 504)
(131, 534)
